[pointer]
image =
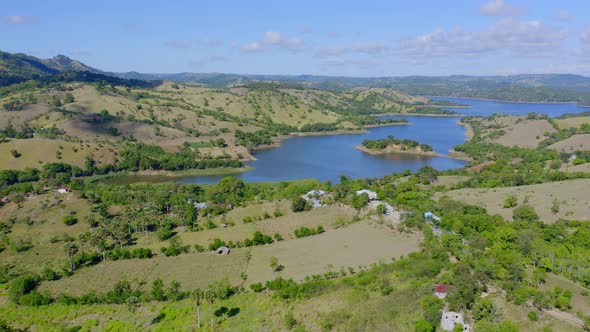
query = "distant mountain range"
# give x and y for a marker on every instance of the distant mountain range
(15, 68)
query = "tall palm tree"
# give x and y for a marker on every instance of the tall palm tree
(71, 249)
(210, 297)
(198, 296)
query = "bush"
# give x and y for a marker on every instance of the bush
(35, 299)
(525, 212)
(21, 286)
(532, 315)
(70, 220)
(257, 287)
(299, 204)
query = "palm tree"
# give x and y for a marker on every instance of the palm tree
(71, 249)
(132, 304)
(210, 297)
(198, 296)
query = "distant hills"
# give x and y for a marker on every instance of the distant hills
(15, 68)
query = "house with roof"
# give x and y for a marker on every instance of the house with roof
(429, 216)
(440, 290)
(449, 319)
(63, 190)
(222, 250)
(314, 197)
(372, 195)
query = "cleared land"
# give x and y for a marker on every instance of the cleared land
(358, 244)
(573, 144)
(527, 134)
(573, 122)
(38, 151)
(571, 195)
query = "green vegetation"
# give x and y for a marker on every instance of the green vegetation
(401, 144)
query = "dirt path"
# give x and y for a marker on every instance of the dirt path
(565, 317)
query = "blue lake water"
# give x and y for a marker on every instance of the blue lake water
(327, 157)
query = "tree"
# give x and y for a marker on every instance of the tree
(424, 326)
(360, 201)
(210, 297)
(158, 292)
(274, 263)
(198, 296)
(484, 310)
(510, 201)
(525, 212)
(132, 305)
(71, 249)
(299, 204)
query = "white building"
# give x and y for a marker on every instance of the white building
(450, 319)
(372, 195)
(314, 197)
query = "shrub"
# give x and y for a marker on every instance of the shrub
(299, 204)
(21, 286)
(532, 315)
(257, 287)
(70, 220)
(525, 212)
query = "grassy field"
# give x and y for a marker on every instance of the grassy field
(38, 151)
(40, 219)
(573, 122)
(358, 244)
(526, 134)
(575, 143)
(571, 195)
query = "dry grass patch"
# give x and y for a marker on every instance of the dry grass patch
(526, 134)
(191, 270)
(573, 144)
(38, 151)
(359, 244)
(574, 122)
(572, 197)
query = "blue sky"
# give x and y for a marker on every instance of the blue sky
(347, 38)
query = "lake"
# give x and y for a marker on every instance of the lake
(327, 157)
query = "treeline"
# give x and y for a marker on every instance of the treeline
(404, 144)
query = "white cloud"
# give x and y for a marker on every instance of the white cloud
(564, 16)
(210, 42)
(524, 38)
(371, 48)
(273, 40)
(208, 60)
(16, 19)
(500, 8)
(252, 47)
(585, 38)
(179, 44)
(272, 37)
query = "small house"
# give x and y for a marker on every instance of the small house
(450, 319)
(199, 206)
(63, 190)
(440, 290)
(431, 216)
(573, 157)
(222, 250)
(372, 195)
(314, 197)
(4, 199)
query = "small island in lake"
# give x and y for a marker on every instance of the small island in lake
(395, 145)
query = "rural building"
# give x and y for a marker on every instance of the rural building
(440, 290)
(63, 190)
(314, 197)
(450, 319)
(199, 206)
(5, 200)
(431, 216)
(222, 250)
(372, 195)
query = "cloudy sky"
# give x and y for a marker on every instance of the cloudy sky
(348, 38)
